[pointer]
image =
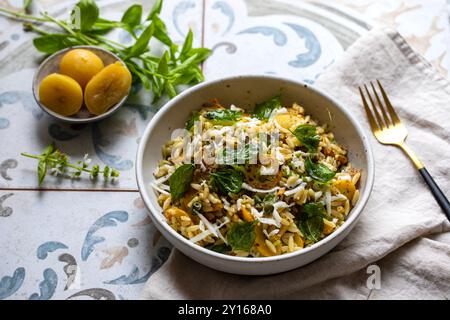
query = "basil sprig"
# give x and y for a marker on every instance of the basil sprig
(160, 73)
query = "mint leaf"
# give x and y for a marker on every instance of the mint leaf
(227, 179)
(224, 117)
(241, 235)
(180, 180)
(264, 109)
(311, 220)
(308, 137)
(319, 172)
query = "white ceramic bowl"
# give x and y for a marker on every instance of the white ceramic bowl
(244, 91)
(51, 65)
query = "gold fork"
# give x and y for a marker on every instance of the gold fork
(388, 129)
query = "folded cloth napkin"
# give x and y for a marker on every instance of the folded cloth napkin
(402, 230)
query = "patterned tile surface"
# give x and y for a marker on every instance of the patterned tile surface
(99, 244)
(76, 244)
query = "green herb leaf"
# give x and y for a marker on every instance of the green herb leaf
(42, 171)
(223, 117)
(319, 172)
(52, 43)
(311, 220)
(264, 109)
(194, 118)
(163, 67)
(219, 248)
(308, 136)
(180, 180)
(141, 44)
(187, 45)
(27, 5)
(86, 15)
(268, 201)
(156, 9)
(132, 17)
(161, 32)
(240, 156)
(241, 235)
(227, 179)
(48, 150)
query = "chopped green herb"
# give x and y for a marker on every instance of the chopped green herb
(308, 136)
(319, 172)
(264, 109)
(180, 180)
(241, 235)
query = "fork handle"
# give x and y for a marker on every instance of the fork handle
(437, 192)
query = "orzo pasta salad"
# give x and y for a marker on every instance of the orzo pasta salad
(255, 184)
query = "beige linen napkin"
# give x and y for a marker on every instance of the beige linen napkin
(399, 226)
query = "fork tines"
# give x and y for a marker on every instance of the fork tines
(381, 116)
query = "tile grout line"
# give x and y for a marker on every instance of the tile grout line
(69, 190)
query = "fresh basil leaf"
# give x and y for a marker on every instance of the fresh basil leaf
(27, 5)
(51, 43)
(201, 54)
(264, 109)
(85, 14)
(48, 150)
(180, 180)
(42, 171)
(311, 220)
(308, 136)
(219, 248)
(319, 172)
(241, 235)
(190, 123)
(141, 44)
(187, 45)
(224, 117)
(103, 26)
(227, 179)
(170, 89)
(132, 17)
(156, 9)
(161, 32)
(163, 67)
